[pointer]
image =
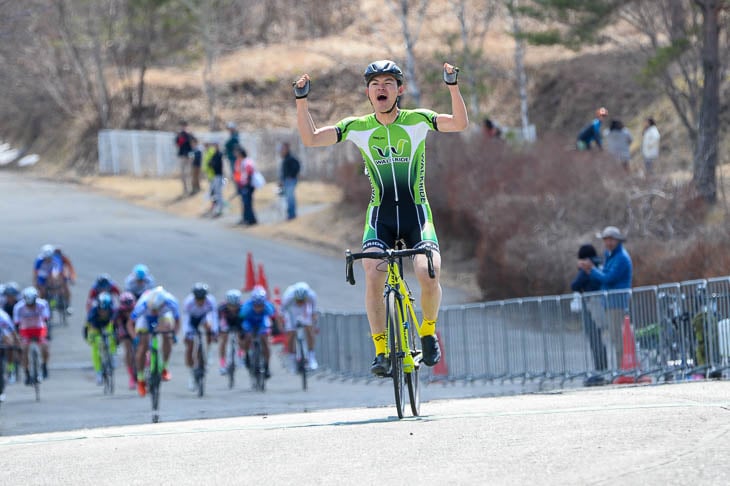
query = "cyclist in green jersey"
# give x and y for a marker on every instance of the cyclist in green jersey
(392, 143)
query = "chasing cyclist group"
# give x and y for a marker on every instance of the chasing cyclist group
(128, 315)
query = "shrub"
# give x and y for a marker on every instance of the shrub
(522, 212)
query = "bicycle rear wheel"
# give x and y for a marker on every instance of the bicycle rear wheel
(414, 393)
(393, 323)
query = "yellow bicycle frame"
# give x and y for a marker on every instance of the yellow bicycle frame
(405, 313)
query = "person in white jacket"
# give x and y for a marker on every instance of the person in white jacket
(650, 145)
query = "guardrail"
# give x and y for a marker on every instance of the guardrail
(661, 333)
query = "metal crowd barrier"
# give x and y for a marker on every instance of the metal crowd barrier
(661, 333)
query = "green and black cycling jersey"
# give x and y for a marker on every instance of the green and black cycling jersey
(395, 162)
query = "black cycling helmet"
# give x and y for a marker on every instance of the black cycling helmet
(104, 281)
(11, 289)
(200, 290)
(383, 67)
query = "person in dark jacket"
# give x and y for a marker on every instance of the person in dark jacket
(183, 142)
(615, 276)
(290, 167)
(231, 144)
(583, 283)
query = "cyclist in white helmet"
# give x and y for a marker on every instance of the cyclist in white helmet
(199, 308)
(31, 315)
(299, 304)
(157, 308)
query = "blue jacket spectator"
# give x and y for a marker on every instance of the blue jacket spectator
(617, 269)
(592, 132)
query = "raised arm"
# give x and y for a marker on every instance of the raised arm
(311, 135)
(458, 120)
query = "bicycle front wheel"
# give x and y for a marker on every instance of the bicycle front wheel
(107, 369)
(232, 355)
(35, 370)
(394, 324)
(154, 382)
(301, 361)
(200, 369)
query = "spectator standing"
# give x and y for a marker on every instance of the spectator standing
(243, 170)
(592, 132)
(183, 142)
(290, 168)
(616, 275)
(650, 145)
(583, 283)
(618, 143)
(197, 156)
(231, 144)
(215, 166)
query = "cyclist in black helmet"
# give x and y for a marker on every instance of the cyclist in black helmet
(392, 142)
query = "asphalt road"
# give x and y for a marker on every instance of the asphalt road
(103, 234)
(336, 432)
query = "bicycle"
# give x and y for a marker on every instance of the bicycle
(301, 352)
(199, 362)
(57, 305)
(153, 372)
(257, 361)
(401, 322)
(232, 356)
(107, 363)
(34, 366)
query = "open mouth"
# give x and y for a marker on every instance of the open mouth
(382, 97)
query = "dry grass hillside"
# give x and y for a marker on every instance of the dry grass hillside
(253, 88)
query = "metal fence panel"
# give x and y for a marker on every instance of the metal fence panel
(677, 331)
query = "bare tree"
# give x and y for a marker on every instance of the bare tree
(683, 45)
(520, 73)
(410, 14)
(474, 17)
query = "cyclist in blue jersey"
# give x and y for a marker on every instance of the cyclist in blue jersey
(392, 143)
(257, 313)
(592, 132)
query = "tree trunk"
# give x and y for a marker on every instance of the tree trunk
(402, 8)
(705, 153)
(520, 69)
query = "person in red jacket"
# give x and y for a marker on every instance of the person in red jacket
(243, 170)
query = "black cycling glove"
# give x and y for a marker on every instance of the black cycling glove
(301, 92)
(450, 79)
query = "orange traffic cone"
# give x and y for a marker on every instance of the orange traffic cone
(250, 277)
(628, 360)
(262, 278)
(277, 298)
(441, 368)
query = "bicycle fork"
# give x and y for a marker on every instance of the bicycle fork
(399, 290)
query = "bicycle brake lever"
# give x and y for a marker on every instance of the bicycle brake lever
(429, 257)
(349, 274)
